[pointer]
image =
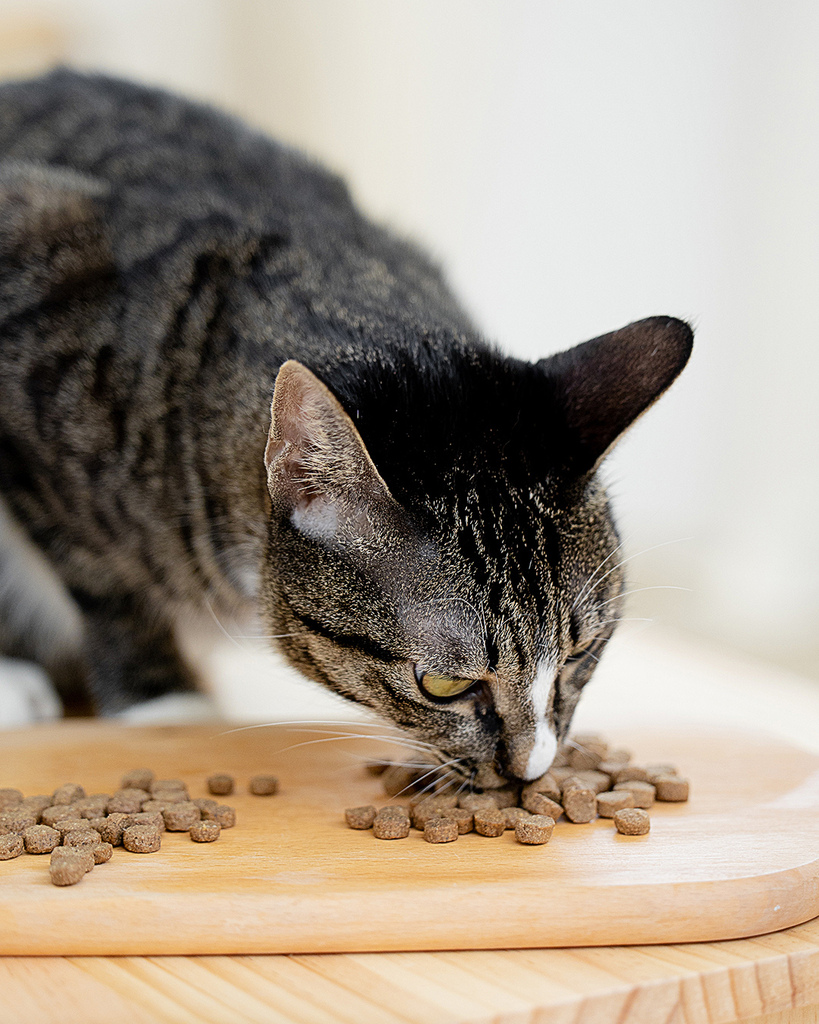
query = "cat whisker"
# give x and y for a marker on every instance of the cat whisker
(639, 590)
(622, 562)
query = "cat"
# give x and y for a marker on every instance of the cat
(222, 386)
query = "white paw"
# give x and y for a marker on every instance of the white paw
(172, 709)
(26, 694)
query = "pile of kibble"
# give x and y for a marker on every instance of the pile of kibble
(587, 780)
(80, 831)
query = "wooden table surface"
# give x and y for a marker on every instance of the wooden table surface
(771, 979)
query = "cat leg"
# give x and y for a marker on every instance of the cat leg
(26, 694)
(132, 657)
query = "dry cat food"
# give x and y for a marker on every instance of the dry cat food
(264, 785)
(220, 785)
(81, 830)
(587, 780)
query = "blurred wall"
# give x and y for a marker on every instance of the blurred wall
(575, 167)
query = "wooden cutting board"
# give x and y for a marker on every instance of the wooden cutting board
(741, 858)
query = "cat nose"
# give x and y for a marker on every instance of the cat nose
(530, 752)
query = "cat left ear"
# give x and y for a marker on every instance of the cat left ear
(602, 386)
(319, 472)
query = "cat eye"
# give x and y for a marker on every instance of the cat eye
(442, 687)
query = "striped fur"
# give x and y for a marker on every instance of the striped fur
(425, 503)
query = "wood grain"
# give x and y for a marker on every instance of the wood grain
(741, 858)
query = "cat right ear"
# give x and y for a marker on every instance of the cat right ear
(319, 472)
(602, 386)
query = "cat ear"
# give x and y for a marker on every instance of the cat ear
(603, 385)
(319, 472)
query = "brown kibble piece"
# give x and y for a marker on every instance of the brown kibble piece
(204, 803)
(598, 781)
(81, 837)
(671, 788)
(17, 820)
(360, 817)
(391, 823)
(655, 770)
(477, 801)
(441, 830)
(609, 803)
(547, 785)
(11, 846)
(66, 825)
(633, 821)
(179, 817)
(630, 773)
(41, 839)
(225, 815)
(205, 831)
(431, 807)
(579, 804)
(155, 818)
(166, 786)
(490, 821)
(643, 792)
(539, 803)
(137, 778)
(115, 825)
(513, 815)
(141, 839)
(67, 794)
(535, 830)
(36, 804)
(127, 801)
(264, 785)
(91, 806)
(102, 852)
(506, 796)
(397, 779)
(57, 812)
(11, 798)
(220, 785)
(70, 864)
(464, 819)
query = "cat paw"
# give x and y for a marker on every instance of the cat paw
(26, 694)
(172, 709)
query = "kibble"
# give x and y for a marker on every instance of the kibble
(137, 778)
(477, 802)
(579, 804)
(609, 803)
(70, 865)
(464, 819)
(220, 785)
(391, 823)
(539, 803)
(633, 821)
(205, 831)
(671, 788)
(115, 825)
(490, 821)
(67, 794)
(397, 779)
(81, 837)
(547, 785)
(360, 817)
(41, 839)
(224, 814)
(127, 801)
(179, 817)
(441, 830)
(512, 815)
(10, 798)
(155, 818)
(17, 820)
(11, 846)
(102, 852)
(643, 792)
(534, 830)
(264, 785)
(630, 773)
(141, 839)
(57, 812)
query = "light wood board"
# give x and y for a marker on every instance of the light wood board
(741, 858)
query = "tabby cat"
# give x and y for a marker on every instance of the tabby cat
(418, 518)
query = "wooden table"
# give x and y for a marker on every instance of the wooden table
(772, 979)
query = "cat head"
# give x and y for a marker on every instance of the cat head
(458, 570)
